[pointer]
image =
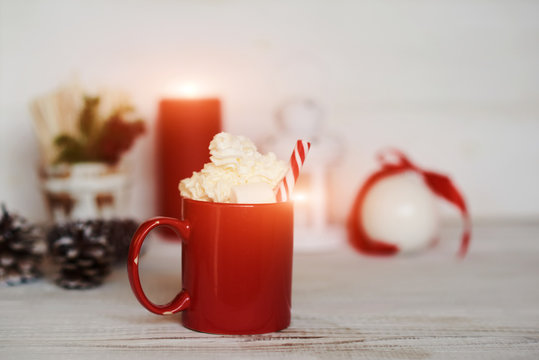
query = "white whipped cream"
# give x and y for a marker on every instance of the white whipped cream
(234, 161)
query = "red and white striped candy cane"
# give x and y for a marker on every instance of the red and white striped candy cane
(285, 187)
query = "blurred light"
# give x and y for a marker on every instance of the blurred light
(184, 90)
(300, 197)
(189, 90)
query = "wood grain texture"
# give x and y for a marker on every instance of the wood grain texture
(345, 306)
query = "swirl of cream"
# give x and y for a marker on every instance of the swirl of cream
(234, 161)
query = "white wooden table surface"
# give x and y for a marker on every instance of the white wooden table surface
(345, 306)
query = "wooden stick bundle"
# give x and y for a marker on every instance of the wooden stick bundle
(55, 113)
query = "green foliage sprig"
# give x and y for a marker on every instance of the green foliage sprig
(98, 141)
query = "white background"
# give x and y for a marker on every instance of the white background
(454, 83)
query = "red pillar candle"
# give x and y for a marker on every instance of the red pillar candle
(185, 128)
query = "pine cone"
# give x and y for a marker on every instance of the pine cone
(21, 249)
(119, 232)
(83, 252)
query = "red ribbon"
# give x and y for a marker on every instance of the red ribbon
(440, 184)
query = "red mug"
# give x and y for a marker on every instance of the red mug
(236, 266)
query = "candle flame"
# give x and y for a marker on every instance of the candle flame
(185, 90)
(189, 90)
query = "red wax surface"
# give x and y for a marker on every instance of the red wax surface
(185, 128)
(236, 266)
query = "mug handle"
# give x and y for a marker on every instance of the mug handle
(182, 229)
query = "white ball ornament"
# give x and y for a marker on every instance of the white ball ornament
(396, 208)
(401, 210)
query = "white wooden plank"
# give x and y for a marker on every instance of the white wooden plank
(345, 306)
